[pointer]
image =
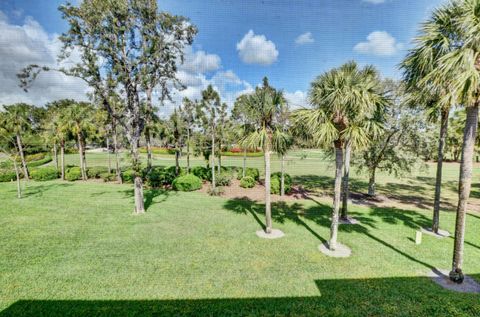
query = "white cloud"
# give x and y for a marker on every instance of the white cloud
(304, 38)
(296, 99)
(256, 49)
(374, 1)
(379, 43)
(200, 61)
(30, 44)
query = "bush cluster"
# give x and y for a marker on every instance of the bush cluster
(128, 176)
(187, 183)
(223, 179)
(108, 177)
(73, 173)
(275, 183)
(44, 174)
(247, 182)
(250, 171)
(96, 171)
(202, 172)
(7, 176)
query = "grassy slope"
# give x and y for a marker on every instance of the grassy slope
(75, 249)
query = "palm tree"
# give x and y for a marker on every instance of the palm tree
(239, 114)
(264, 107)
(17, 121)
(458, 69)
(188, 115)
(174, 133)
(433, 43)
(346, 101)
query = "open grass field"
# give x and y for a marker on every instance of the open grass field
(75, 249)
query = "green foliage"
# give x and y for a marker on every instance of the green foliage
(252, 172)
(202, 172)
(275, 183)
(35, 157)
(107, 177)
(240, 154)
(96, 171)
(73, 173)
(217, 191)
(187, 183)
(45, 160)
(223, 179)
(128, 176)
(158, 150)
(44, 174)
(7, 176)
(247, 182)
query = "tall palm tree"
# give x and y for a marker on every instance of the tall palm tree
(264, 107)
(434, 42)
(459, 70)
(346, 101)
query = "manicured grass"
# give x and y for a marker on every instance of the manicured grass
(75, 249)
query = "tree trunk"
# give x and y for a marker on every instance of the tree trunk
(268, 210)
(371, 182)
(17, 174)
(149, 148)
(438, 180)
(188, 151)
(108, 155)
(115, 148)
(282, 177)
(81, 153)
(55, 155)
(464, 186)
(213, 160)
(177, 160)
(138, 182)
(337, 195)
(346, 178)
(62, 159)
(22, 156)
(244, 162)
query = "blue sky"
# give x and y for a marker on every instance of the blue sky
(291, 42)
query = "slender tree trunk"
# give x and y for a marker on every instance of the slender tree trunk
(108, 154)
(148, 135)
(464, 186)
(371, 182)
(337, 195)
(62, 159)
(244, 162)
(17, 174)
(268, 210)
(213, 160)
(346, 178)
(81, 153)
(438, 181)
(22, 157)
(149, 148)
(138, 182)
(188, 151)
(55, 155)
(177, 160)
(282, 177)
(115, 148)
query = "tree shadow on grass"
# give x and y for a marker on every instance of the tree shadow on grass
(37, 190)
(389, 296)
(149, 196)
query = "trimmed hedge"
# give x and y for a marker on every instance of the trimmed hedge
(45, 160)
(73, 174)
(94, 172)
(7, 176)
(44, 174)
(187, 183)
(247, 182)
(35, 157)
(275, 183)
(237, 154)
(108, 177)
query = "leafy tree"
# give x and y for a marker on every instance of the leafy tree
(240, 115)
(9, 148)
(188, 117)
(264, 108)
(126, 46)
(346, 101)
(175, 133)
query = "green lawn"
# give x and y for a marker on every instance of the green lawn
(75, 249)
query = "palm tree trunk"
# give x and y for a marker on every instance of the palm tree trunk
(244, 162)
(62, 159)
(464, 186)
(115, 148)
(55, 155)
(438, 181)
(346, 178)
(371, 182)
(22, 156)
(108, 155)
(337, 195)
(268, 210)
(213, 160)
(282, 177)
(17, 174)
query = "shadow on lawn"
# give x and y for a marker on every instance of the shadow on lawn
(321, 213)
(37, 190)
(149, 196)
(396, 296)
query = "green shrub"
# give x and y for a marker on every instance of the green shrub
(73, 174)
(187, 183)
(247, 182)
(94, 172)
(201, 172)
(108, 177)
(35, 157)
(7, 176)
(250, 171)
(44, 174)
(128, 176)
(43, 161)
(223, 179)
(275, 183)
